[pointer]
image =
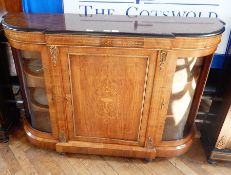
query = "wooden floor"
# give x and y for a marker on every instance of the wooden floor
(20, 157)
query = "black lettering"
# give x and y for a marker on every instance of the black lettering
(213, 15)
(191, 14)
(144, 12)
(128, 12)
(86, 8)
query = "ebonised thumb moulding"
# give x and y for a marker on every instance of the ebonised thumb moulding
(112, 85)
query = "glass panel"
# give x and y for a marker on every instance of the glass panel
(183, 89)
(35, 90)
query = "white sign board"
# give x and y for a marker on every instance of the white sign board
(133, 8)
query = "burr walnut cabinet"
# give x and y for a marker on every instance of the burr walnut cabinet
(112, 85)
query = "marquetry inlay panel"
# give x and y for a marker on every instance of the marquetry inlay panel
(108, 93)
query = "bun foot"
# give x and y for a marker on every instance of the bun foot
(147, 160)
(62, 153)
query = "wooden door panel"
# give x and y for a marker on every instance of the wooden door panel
(110, 93)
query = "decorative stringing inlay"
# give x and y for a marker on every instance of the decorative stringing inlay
(106, 42)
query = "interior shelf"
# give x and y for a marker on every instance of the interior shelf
(30, 54)
(38, 99)
(34, 73)
(39, 109)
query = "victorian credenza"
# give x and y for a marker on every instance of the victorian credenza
(112, 85)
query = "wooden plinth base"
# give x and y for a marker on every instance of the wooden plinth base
(45, 140)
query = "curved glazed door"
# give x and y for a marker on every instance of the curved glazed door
(108, 92)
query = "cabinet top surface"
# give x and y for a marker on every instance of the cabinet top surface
(114, 25)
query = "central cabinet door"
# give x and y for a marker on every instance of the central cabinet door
(109, 93)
